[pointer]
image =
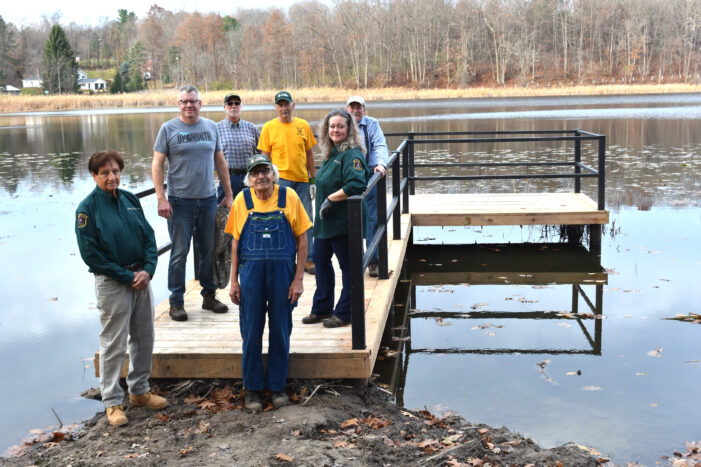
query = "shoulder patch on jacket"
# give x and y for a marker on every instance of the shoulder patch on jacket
(82, 220)
(357, 165)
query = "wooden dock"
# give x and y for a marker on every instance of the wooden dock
(208, 345)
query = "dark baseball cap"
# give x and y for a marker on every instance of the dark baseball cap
(257, 159)
(283, 96)
(229, 96)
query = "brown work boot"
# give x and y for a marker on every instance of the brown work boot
(115, 415)
(313, 319)
(177, 313)
(210, 302)
(148, 400)
(309, 267)
(335, 322)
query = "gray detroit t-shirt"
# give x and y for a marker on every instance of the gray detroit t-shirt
(190, 150)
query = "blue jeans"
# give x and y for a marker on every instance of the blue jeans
(190, 215)
(371, 219)
(324, 248)
(302, 190)
(236, 186)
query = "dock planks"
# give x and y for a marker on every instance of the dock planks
(208, 345)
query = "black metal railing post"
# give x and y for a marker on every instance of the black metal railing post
(411, 163)
(577, 161)
(382, 224)
(602, 173)
(396, 182)
(405, 175)
(357, 281)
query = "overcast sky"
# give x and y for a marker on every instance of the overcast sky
(93, 13)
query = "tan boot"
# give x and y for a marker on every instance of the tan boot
(115, 415)
(149, 400)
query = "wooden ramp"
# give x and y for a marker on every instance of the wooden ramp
(505, 209)
(208, 345)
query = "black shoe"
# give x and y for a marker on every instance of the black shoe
(210, 302)
(313, 319)
(372, 270)
(254, 400)
(335, 322)
(280, 399)
(177, 313)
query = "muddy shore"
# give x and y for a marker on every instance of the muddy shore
(327, 424)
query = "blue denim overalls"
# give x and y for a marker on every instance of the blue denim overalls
(267, 251)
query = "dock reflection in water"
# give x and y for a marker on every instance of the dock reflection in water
(469, 271)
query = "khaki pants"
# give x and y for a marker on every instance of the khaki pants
(126, 315)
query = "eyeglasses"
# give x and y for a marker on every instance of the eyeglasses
(256, 173)
(188, 101)
(232, 103)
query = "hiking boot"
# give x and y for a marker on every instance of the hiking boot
(148, 400)
(335, 322)
(254, 400)
(280, 399)
(373, 270)
(177, 313)
(115, 415)
(309, 267)
(313, 319)
(210, 302)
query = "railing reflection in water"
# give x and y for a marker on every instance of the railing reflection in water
(536, 265)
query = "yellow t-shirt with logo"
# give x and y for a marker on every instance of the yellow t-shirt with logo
(287, 144)
(294, 212)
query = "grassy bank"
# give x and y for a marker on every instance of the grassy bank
(167, 97)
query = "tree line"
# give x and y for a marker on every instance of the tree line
(375, 43)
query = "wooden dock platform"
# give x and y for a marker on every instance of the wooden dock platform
(208, 345)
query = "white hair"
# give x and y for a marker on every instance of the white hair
(247, 179)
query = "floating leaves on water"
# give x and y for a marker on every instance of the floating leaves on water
(573, 373)
(592, 388)
(656, 352)
(690, 318)
(544, 363)
(442, 322)
(479, 305)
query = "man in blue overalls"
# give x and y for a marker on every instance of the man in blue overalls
(269, 226)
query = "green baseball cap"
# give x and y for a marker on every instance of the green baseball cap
(257, 159)
(283, 96)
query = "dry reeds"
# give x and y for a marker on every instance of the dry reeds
(168, 97)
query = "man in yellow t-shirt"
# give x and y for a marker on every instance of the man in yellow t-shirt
(288, 141)
(268, 224)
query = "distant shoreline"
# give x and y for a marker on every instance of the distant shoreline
(167, 97)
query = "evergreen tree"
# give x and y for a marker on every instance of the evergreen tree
(137, 61)
(8, 44)
(117, 86)
(60, 67)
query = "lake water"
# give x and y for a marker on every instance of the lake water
(497, 353)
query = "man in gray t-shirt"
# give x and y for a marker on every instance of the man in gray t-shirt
(193, 149)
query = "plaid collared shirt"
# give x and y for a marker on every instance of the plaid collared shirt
(239, 142)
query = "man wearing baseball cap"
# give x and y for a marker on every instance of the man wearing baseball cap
(376, 158)
(239, 140)
(288, 141)
(269, 225)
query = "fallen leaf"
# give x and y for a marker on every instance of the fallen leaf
(163, 417)
(185, 451)
(349, 422)
(283, 458)
(482, 431)
(427, 442)
(130, 456)
(340, 444)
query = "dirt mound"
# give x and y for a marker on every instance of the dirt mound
(329, 423)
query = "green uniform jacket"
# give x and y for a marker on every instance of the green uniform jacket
(113, 233)
(345, 170)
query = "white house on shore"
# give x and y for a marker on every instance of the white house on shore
(32, 82)
(92, 84)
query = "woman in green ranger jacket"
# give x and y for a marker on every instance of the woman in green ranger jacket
(343, 173)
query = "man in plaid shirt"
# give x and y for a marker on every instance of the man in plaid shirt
(239, 139)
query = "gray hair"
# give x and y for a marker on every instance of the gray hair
(188, 88)
(353, 140)
(276, 172)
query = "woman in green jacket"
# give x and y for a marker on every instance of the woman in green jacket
(343, 173)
